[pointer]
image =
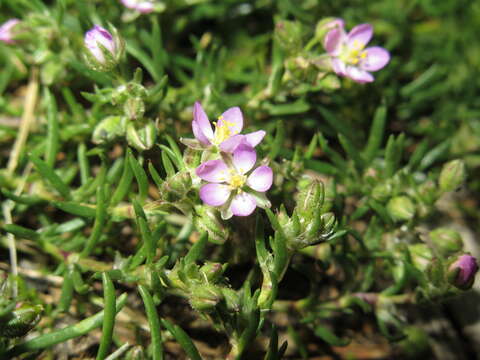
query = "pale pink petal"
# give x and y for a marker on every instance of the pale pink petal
(231, 143)
(214, 194)
(333, 41)
(359, 75)
(360, 35)
(243, 204)
(338, 67)
(377, 57)
(200, 125)
(254, 138)
(215, 171)
(233, 119)
(244, 157)
(6, 35)
(261, 178)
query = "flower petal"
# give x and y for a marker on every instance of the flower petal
(200, 125)
(243, 204)
(333, 41)
(244, 157)
(261, 178)
(377, 58)
(232, 118)
(214, 194)
(359, 75)
(231, 143)
(254, 138)
(215, 171)
(360, 35)
(338, 67)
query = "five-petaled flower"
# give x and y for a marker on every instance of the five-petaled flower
(143, 6)
(226, 136)
(6, 31)
(232, 186)
(348, 54)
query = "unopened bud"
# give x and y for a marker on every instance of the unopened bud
(310, 200)
(212, 271)
(108, 129)
(20, 321)
(461, 273)
(142, 137)
(452, 175)
(7, 33)
(103, 50)
(134, 108)
(327, 24)
(401, 208)
(207, 219)
(446, 241)
(382, 191)
(205, 297)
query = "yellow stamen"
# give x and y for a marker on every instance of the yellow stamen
(223, 132)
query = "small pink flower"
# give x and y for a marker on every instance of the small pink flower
(226, 135)
(99, 36)
(229, 185)
(348, 54)
(6, 34)
(142, 6)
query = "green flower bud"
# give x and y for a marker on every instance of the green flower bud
(452, 175)
(446, 241)
(207, 219)
(421, 256)
(142, 138)
(205, 297)
(427, 192)
(20, 321)
(289, 35)
(134, 108)
(382, 191)
(310, 200)
(325, 25)
(401, 208)
(109, 129)
(213, 271)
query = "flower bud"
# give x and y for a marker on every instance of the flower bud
(134, 108)
(382, 191)
(401, 208)
(452, 175)
(7, 31)
(289, 35)
(176, 186)
(205, 297)
(446, 241)
(103, 49)
(108, 129)
(207, 219)
(421, 255)
(461, 273)
(142, 6)
(21, 320)
(327, 24)
(310, 200)
(212, 271)
(142, 137)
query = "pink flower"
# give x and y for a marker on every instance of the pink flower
(226, 135)
(97, 37)
(348, 54)
(229, 185)
(6, 31)
(144, 6)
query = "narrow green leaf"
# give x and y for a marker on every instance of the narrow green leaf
(49, 174)
(183, 339)
(110, 312)
(124, 185)
(376, 134)
(52, 128)
(351, 151)
(21, 232)
(154, 323)
(140, 175)
(155, 175)
(435, 154)
(83, 163)
(67, 293)
(145, 231)
(330, 338)
(278, 141)
(167, 165)
(62, 335)
(196, 250)
(22, 199)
